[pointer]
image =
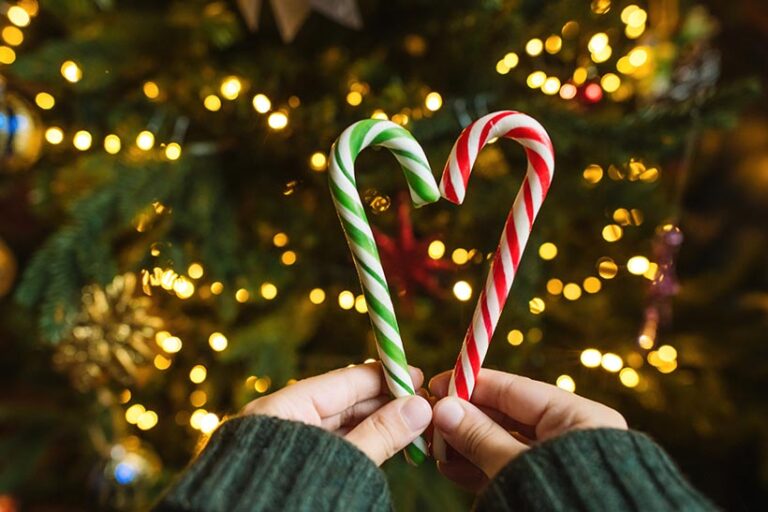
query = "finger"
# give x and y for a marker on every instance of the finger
(528, 402)
(351, 416)
(476, 436)
(464, 474)
(391, 428)
(521, 431)
(438, 384)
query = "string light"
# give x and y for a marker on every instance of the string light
(133, 413)
(460, 256)
(198, 398)
(566, 382)
(638, 265)
(195, 420)
(262, 384)
(360, 305)
(610, 82)
(161, 362)
(7, 55)
(218, 342)
(592, 284)
(612, 233)
(611, 362)
(629, 377)
(568, 91)
(462, 290)
(591, 358)
(572, 291)
(553, 44)
(18, 16)
(346, 299)
(635, 17)
(603, 55)
(242, 295)
(536, 305)
(570, 29)
(230, 87)
(261, 103)
(112, 144)
(534, 47)
(71, 71)
(145, 140)
(580, 75)
(212, 103)
(554, 286)
(593, 173)
(598, 42)
(82, 140)
(170, 344)
(433, 101)
(208, 423)
(147, 420)
(354, 98)
(268, 291)
(151, 90)
(280, 239)
(195, 271)
(536, 79)
(173, 151)
(317, 296)
(515, 337)
(318, 161)
(288, 258)
(551, 86)
(667, 353)
(638, 56)
(125, 396)
(277, 120)
(627, 11)
(547, 251)
(436, 249)
(593, 92)
(217, 288)
(198, 374)
(54, 135)
(379, 114)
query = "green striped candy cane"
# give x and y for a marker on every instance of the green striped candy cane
(423, 188)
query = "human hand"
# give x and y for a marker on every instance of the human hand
(507, 414)
(354, 403)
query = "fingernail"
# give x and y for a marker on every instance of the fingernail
(417, 413)
(448, 414)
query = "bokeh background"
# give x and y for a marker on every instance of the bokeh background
(169, 249)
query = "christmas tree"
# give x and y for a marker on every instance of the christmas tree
(169, 249)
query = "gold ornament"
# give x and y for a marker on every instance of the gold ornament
(21, 132)
(113, 337)
(7, 268)
(291, 14)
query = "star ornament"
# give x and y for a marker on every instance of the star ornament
(291, 14)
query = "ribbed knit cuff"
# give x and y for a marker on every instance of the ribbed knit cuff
(263, 463)
(602, 469)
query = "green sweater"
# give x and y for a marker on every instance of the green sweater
(263, 463)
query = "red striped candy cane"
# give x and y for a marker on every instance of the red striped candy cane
(453, 185)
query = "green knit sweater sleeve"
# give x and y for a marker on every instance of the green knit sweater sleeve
(259, 463)
(591, 470)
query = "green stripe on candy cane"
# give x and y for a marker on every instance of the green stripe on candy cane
(354, 222)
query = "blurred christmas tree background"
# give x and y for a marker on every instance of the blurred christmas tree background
(169, 249)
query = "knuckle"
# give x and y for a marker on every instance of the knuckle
(382, 429)
(475, 437)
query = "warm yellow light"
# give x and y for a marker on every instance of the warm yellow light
(536, 305)
(262, 384)
(173, 151)
(638, 56)
(212, 103)
(645, 341)
(171, 344)
(515, 337)
(591, 358)
(566, 382)
(570, 29)
(598, 42)
(379, 114)
(593, 173)
(610, 82)
(261, 103)
(555, 286)
(572, 291)
(151, 90)
(354, 98)
(603, 55)
(600, 6)
(553, 44)
(638, 265)
(133, 413)
(612, 233)
(54, 135)
(112, 144)
(277, 120)
(280, 239)
(627, 11)
(217, 288)
(288, 258)
(198, 398)
(433, 101)
(624, 66)
(218, 341)
(161, 362)
(318, 161)
(629, 377)
(551, 86)
(82, 140)
(198, 373)
(534, 47)
(242, 295)
(611, 362)
(633, 32)
(580, 75)
(667, 367)
(71, 71)
(436, 249)
(462, 290)
(7, 55)
(501, 67)
(547, 251)
(667, 353)
(536, 79)
(125, 396)
(607, 268)
(636, 18)
(208, 423)
(183, 288)
(268, 291)
(317, 296)
(346, 300)
(360, 305)
(45, 101)
(195, 271)
(460, 256)
(147, 420)
(230, 87)
(145, 140)
(568, 91)
(18, 16)
(592, 284)
(622, 216)
(511, 60)
(196, 418)
(31, 6)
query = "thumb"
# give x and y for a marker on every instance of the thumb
(391, 428)
(473, 434)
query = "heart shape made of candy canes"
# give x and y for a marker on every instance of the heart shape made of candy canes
(541, 166)
(354, 222)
